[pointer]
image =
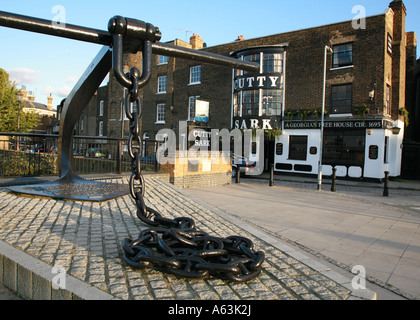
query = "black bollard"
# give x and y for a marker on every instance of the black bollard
(238, 174)
(334, 179)
(271, 175)
(386, 184)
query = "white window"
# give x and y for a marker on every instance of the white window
(160, 113)
(195, 75)
(133, 108)
(191, 108)
(163, 59)
(101, 128)
(101, 108)
(162, 84)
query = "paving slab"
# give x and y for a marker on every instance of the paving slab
(76, 245)
(355, 226)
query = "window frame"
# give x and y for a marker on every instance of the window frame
(162, 86)
(160, 114)
(162, 59)
(195, 76)
(101, 108)
(191, 107)
(294, 153)
(337, 53)
(101, 129)
(349, 99)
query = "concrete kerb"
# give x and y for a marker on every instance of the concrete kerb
(359, 294)
(33, 279)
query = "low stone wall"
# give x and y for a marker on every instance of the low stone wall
(187, 172)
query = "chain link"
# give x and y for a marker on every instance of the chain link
(175, 245)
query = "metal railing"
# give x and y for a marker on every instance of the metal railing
(31, 155)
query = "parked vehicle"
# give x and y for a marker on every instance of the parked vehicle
(243, 163)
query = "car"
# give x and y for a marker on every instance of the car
(243, 163)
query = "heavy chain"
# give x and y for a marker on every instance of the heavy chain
(175, 245)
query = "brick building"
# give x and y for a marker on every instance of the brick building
(365, 93)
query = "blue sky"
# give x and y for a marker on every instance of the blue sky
(47, 64)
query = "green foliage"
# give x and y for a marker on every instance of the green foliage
(20, 164)
(362, 111)
(405, 114)
(9, 108)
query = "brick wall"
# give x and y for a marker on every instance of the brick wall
(198, 171)
(304, 73)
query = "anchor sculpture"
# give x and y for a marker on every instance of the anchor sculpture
(175, 244)
(124, 35)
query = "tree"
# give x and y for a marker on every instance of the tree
(9, 108)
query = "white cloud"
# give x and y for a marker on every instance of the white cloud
(72, 79)
(23, 76)
(63, 92)
(48, 90)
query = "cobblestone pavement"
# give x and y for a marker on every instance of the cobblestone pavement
(85, 238)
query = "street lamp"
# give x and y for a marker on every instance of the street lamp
(19, 98)
(321, 140)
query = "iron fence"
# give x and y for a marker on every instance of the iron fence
(32, 155)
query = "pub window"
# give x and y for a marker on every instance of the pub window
(250, 103)
(195, 75)
(272, 101)
(236, 105)
(298, 146)
(191, 108)
(341, 98)
(272, 62)
(344, 147)
(343, 55)
(162, 84)
(163, 59)
(252, 58)
(160, 113)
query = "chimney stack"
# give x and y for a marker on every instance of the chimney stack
(196, 42)
(50, 102)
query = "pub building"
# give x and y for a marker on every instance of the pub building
(363, 130)
(364, 72)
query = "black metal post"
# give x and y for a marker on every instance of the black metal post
(238, 174)
(334, 180)
(119, 157)
(386, 184)
(271, 175)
